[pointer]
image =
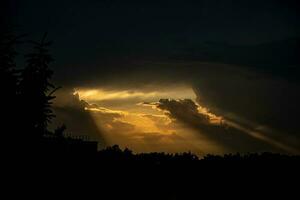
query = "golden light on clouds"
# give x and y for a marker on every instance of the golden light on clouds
(145, 128)
(167, 119)
(178, 92)
(98, 95)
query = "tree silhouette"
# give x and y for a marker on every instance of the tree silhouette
(36, 90)
(8, 73)
(9, 83)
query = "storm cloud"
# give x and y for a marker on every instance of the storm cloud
(234, 138)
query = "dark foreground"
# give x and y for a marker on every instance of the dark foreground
(59, 168)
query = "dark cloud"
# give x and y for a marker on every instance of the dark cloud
(232, 138)
(262, 99)
(100, 33)
(84, 119)
(183, 110)
(70, 110)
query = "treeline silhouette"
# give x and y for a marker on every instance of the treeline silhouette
(27, 95)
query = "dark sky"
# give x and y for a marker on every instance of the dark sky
(87, 30)
(240, 56)
(103, 32)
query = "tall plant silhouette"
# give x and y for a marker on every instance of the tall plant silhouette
(8, 81)
(36, 89)
(8, 73)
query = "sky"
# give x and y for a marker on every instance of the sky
(205, 76)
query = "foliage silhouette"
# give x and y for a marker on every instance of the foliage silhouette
(9, 80)
(36, 90)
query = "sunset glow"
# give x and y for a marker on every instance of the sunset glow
(134, 119)
(142, 126)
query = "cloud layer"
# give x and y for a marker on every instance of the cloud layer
(166, 125)
(230, 135)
